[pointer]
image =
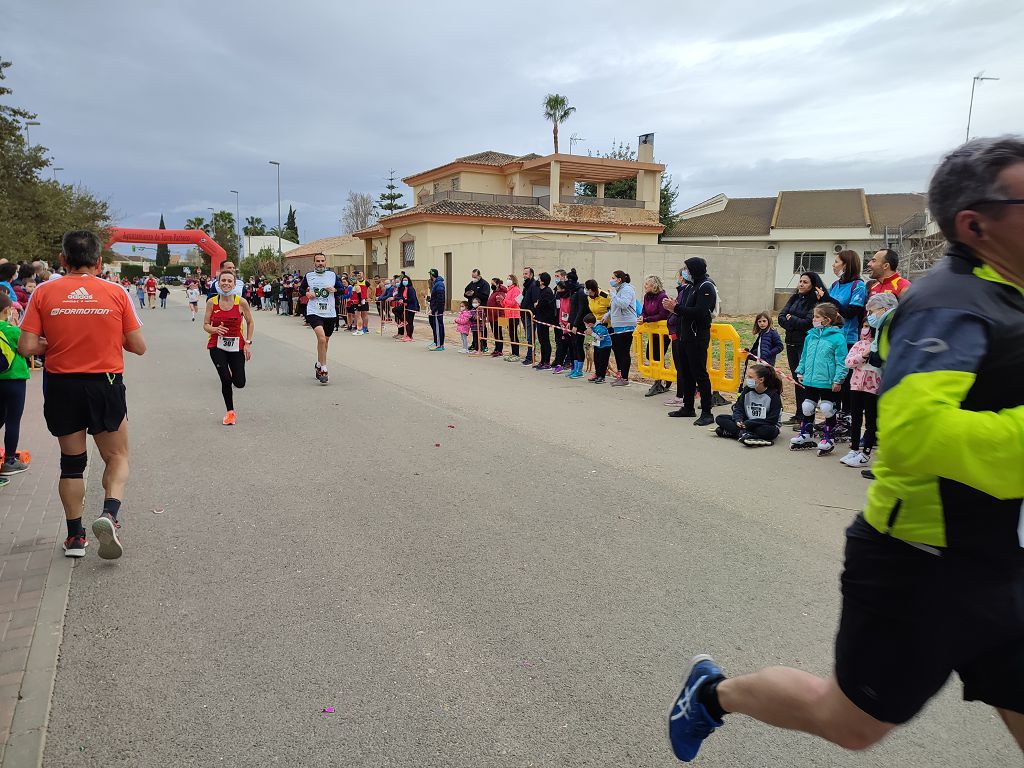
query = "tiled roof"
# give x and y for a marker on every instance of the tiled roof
(494, 211)
(894, 209)
(741, 216)
(345, 245)
(821, 208)
(490, 157)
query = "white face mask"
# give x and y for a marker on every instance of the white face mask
(817, 323)
(508, 283)
(750, 382)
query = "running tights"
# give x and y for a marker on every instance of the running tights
(231, 369)
(12, 405)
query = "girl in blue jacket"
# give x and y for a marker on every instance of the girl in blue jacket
(821, 372)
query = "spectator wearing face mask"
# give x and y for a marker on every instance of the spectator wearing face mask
(546, 315)
(757, 411)
(492, 316)
(694, 311)
(622, 318)
(513, 296)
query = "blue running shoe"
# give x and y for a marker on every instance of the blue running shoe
(689, 722)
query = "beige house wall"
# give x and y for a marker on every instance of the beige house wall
(745, 277)
(488, 248)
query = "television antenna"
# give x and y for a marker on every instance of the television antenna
(573, 140)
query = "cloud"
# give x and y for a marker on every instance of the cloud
(167, 108)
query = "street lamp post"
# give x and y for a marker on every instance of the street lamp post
(238, 223)
(977, 79)
(274, 162)
(55, 173)
(28, 138)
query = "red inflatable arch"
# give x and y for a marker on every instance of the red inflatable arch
(196, 237)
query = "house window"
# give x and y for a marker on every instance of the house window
(408, 253)
(437, 187)
(805, 261)
(373, 255)
(455, 184)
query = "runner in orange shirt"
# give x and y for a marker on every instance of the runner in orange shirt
(82, 324)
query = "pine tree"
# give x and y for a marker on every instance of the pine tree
(291, 229)
(388, 202)
(163, 253)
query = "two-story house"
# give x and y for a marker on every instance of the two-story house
(470, 213)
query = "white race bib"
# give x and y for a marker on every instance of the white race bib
(228, 343)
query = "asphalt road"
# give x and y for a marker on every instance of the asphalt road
(527, 593)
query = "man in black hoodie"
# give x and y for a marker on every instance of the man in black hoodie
(478, 289)
(531, 292)
(546, 316)
(694, 312)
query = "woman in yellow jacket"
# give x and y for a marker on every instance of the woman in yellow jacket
(600, 302)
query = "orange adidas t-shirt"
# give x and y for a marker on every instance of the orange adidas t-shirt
(84, 320)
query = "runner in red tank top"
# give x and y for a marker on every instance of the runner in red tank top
(230, 342)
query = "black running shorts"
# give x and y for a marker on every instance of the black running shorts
(912, 617)
(327, 323)
(94, 402)
(364, 307)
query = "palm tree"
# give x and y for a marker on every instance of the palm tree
(196, 222)
(254, 226)
(557, 110)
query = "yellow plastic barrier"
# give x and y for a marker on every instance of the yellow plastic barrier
(725, 355)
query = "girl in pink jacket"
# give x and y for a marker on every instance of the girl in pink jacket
(864, 384)
(464, 325)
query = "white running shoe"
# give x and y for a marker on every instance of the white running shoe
(856, 459)
(104, 528)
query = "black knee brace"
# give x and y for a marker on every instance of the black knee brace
(72, 466)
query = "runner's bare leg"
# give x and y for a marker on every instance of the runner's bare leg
(72, 489)
(800, 701)
(114, 452)
(1015, 722)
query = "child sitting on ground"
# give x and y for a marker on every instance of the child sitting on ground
(757, 411)
(821, 372)
(602, 344)
(864, 385)
(463, 324)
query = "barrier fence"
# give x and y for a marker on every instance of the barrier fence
(651, 343)
(725, 355)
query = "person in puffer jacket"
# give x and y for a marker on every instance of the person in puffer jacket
(821, 372)
(865, 382)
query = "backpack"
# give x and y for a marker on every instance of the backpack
(7, 353)
(718, 299)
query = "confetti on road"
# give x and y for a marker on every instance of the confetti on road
(437, 445)
(328, 710)
(158, 511)
(451, 426)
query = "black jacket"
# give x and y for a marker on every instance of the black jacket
(479, 290)
(579, 306)
(531, 291)
(801, 309)
(545, 310)
(697, 302)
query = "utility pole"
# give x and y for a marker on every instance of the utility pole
(977, 79)
(274, 162)
(238, 224)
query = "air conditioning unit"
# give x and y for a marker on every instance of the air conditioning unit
(838, 247)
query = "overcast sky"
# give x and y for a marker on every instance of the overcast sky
(166, 109)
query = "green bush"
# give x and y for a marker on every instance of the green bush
(131, 271)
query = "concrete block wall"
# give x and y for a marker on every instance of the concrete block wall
(745, 277)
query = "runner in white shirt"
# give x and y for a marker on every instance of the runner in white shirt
(192, 294)
(319, 286)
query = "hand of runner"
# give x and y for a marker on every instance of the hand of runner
(310, 294)
(248, 353)
(220, 330)
(332, 289)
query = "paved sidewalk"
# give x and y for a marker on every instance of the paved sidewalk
(34, 579)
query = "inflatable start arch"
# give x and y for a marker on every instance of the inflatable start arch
(196, 237)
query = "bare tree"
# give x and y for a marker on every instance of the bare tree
(360, 212)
